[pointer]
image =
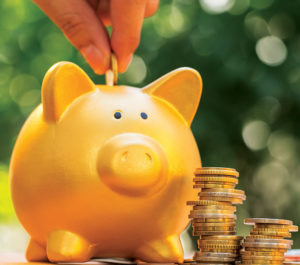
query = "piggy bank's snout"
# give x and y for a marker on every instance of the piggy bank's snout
(132, 164)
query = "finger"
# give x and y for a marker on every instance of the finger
(82, 27)
(103, 10)
(127, 18)
(151, 7)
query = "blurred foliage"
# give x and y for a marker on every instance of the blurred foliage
(248, 53)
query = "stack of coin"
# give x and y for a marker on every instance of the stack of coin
(213, 215)
(266, 243)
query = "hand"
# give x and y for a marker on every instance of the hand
(83, 22)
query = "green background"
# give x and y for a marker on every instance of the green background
(248, 54)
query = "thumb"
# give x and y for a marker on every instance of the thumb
(82, 27)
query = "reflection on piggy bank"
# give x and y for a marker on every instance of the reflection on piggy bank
(105, 171)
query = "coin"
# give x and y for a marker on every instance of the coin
(262, 253)
(291, 228)
(214, 254)
(252, 221)
(216, 179)
(220, 246)
(226, 237)
(213, 185)
(271, 233)
(263, 237)
(213, 224)
(257, 261)
(279, 241)
(207, 202)
(223, 199)
(199, 233)
(271, 257)
(213, 220)
(217, 242)
(212, 215)
(214, 228)
(212, 193)
(226, 191)
(220, 250)
(263, 249)
(266, 245)
(216, 171)
(208, 210)
(285, 230)
(217, 207)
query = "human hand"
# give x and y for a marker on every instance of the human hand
(83, 22)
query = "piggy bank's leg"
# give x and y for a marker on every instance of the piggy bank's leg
(35, 252)
(163, 250)
(65, 246)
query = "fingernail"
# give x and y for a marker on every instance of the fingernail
(124, 63)
(95, 59)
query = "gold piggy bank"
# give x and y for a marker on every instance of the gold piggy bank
(105, 171)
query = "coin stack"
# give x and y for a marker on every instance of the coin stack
(266, 243)
(213, 215)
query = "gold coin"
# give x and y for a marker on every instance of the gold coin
(291, 228)
(216, 207)
(202, 242)
(214, 228)
(226, 191)
(265, 249)
(207, 202)
(252, 221)
(212, 210)
(212, 186)
(213, 224)
(271, 233)
(214, 254)
(223, 199)
(285, 230)
(216, 179)
(216, 171)
(213, 220)
(262, 253)
(266, 245)
(264, 237)
(226, 237)
(223, 193)
(264, 257)
(212, 215)
(219, 246)
(257, 261)
(220, 250)
(280, 241)
(210, 233)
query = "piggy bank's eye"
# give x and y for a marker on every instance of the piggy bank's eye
(118, 115)
(144, 115)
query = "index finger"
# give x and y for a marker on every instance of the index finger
(127, 19)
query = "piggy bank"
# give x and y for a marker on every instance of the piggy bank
(105, 171)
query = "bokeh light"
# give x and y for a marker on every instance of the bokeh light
(255, 134)
(216, 6)
(271, 50)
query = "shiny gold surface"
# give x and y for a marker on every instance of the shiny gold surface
(85, 183)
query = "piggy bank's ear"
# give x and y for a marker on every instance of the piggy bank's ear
(63, 83)
(182, 88)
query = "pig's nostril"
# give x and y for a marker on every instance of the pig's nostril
(148, 156)
(124, 156)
